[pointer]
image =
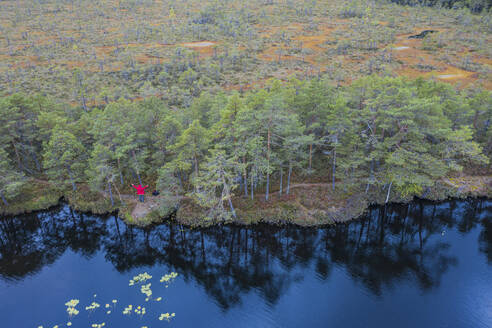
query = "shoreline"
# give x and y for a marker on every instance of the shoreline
(308, 206)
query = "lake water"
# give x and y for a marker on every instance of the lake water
(418, 265)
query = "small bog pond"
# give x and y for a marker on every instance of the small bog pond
(418, 265)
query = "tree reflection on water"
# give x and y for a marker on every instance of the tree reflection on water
(391, 244)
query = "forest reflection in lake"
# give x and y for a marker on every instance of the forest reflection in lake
(420, 264)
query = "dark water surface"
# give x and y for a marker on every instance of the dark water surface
(418, 265)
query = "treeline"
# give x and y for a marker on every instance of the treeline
(475, 6)
(378, 133)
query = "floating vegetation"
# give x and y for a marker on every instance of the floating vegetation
(92, 307)
(168, 278)
(98, 325)
(167, 316)
(141, 278)
(71, 310)
(128, 310)
(109, 307)
(140, 311)
(145, 289)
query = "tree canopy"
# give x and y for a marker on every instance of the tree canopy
(379, 133)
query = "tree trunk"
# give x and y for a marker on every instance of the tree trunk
(252, 195)
(371, 175)
(3, 199)
(136, 166)
(310, 156)
(196, 170)
(74, 188)
(84, 103)
(268, 166)
(334, 168)
(110, 194)
(475, 118)
(119, 194)
(232, 207)
(388, 194)
(26, 160)
(245, 178)
(228, 193)
(38, 167)
(288, 178)
(281, 177)
(196, 166)
(19, 164)
(180, 180)
(119, 171)
(267, 186)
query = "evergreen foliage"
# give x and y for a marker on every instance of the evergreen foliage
(380, 133)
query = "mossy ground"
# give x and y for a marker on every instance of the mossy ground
(35, 195)
(86, 200)
(316, 204)
(307, 204)
(152, 217)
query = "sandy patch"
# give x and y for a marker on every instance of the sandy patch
(449, 76)
(198, 44)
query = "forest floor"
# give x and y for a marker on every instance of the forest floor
(469, 184)
(139, 210)
(312, 204)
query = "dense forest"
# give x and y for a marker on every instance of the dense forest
(390, 134)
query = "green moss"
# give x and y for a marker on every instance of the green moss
(85, 200)
(125, 213)
(151, 218)
(34, 196)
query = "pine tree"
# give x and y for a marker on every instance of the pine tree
(11, 181)
(18, 133)
(64, 157)
(190, 148)
(338, 123)
(312, 102)
(101, 171)
(216, 184)
(166, 134)
(170, 187)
